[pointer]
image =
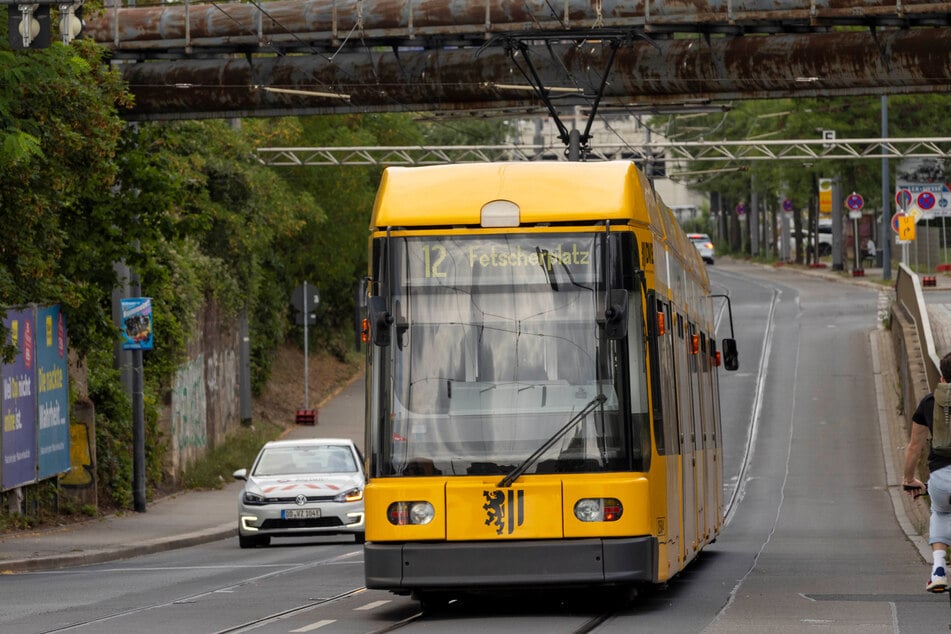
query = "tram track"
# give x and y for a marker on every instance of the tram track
(739, 489)
(192, 598)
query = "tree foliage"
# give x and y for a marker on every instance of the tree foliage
(189, 210)
(857, 117)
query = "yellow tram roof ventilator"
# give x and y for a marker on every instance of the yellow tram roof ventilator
(454, 195)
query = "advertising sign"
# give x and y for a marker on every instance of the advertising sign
(17, 407)
(825, 195)
(922, 189)
(52, 393)
(137, 323)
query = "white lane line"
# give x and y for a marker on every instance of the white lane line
(372, 605)
(315, 625)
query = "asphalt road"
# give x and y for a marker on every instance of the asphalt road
(811, 542)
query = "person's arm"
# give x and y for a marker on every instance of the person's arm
(917, 442)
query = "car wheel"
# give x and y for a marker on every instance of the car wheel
(360, 538)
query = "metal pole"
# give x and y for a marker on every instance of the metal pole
(306, 370)
(138, 419)
(886, 199)
(855, 244)
(244, 370)
(754, 217)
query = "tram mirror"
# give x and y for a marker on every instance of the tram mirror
(401, 325)
(380, 320)
(615, 315)
(731, 360)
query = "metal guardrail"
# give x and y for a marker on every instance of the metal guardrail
(913, 342)
(909, 295)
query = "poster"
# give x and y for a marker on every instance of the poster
(52, 398)
(17, 407)
(137, 323)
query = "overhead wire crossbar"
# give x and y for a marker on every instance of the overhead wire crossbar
(796, 150)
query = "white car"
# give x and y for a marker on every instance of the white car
(302, 487)
(704, 246)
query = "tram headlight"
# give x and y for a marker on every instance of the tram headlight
(598, 509)
(410, 513)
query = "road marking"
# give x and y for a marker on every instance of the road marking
(372, 605)
(314, 626)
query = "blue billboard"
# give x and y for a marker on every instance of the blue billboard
(18, 405)
(52, 393)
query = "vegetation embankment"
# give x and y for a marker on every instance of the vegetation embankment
(196, 217)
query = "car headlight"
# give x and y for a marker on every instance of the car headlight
(353, 495)
(253, 499)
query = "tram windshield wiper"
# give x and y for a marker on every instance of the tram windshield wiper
(522, 468)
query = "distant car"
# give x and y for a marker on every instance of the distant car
(704, 246)
(825, 241)
(302, 487)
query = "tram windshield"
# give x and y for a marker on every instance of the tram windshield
(495, 346)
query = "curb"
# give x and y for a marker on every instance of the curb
(161, 544)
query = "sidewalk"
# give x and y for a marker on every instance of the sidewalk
(176, 521)
(196, 517)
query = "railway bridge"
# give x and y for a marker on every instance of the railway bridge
(459, 57)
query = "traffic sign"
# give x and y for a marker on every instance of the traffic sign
(855, 202)
(906, 228)
(903, 198)
(741, 209)
(895, 219)
(926, 200)
(787, 205)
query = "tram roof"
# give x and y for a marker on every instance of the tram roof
(442, 195)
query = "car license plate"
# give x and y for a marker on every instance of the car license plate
(300, 514)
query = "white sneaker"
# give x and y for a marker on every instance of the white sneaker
(938, 581)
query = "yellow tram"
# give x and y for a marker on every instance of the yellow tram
(542, 397)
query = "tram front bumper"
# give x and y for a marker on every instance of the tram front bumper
(430, 565)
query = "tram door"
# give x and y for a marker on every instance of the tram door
(673, 444)
(699, 431)
(687, 440)
(710, 438)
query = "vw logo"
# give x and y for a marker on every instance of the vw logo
(301, 500)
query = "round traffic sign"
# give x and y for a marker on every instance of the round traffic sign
(741, 209)
(926, 200)
(787, 205)
(903, 198)
(895, 218)
(855, 201)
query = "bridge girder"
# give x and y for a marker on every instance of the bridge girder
(692, 70)
(326, 26)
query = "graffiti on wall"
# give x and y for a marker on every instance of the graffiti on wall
(189, 435)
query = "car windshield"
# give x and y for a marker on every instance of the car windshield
(305, 459)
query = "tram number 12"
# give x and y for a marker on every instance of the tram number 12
(433, 257)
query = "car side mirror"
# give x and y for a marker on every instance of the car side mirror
(731, 360)
(240, 474)
(380, 320)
